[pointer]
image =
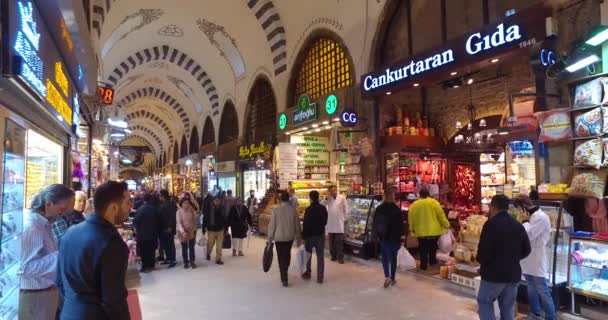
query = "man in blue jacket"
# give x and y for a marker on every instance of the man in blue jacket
(93, 260)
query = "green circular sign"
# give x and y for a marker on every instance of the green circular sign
(303, 102)
(282, 121)
(331, 104)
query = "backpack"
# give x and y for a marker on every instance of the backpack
(381, 225)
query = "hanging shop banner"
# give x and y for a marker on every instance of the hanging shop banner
(262, 150)
(36, 62)
(288, 164)
(517, 31)
(312, 150)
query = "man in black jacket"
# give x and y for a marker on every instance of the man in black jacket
(313, 233)
(214, 221)
(168, 210)
(503, 244)
(147, 226)
(93, 260)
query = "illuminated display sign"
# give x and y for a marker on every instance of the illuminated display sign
(521, 148)
(250, 152)
(107, 94)
(349, 118)
(520, 30)
(305, 112)
(37, 62)
(282, 121)
(331, 104)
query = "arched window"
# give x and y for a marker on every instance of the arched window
(208, 132)
(323, 68)
(175, 153)
(229, 124)
(194, 145)
(261, 113)
(183, 151)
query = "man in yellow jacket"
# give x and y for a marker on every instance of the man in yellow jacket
(427, 222)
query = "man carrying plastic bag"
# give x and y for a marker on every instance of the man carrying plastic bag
(302, 257)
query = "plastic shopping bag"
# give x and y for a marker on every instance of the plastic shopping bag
(302, 257)
(446, 242)
(202, 242)
(405, 261)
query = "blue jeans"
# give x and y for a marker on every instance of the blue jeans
(389, 258)
(539, 296)
(489, 292)
(317, 243)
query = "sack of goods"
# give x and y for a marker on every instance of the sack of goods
(446, 242)
(267, 258)
(405, 261)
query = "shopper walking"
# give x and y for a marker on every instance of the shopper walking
(239, 221)
(313, 232)
(214, 221)
(388, 226)
(534, 267)
(283, 229)
(147, 227)
(93, 260)
(187, 222)
(38, 296)
(293, 199)
(168, 211)
(229, 202)
(503, 244)
(336, 209)
(252, 202)
(427, 222)
(76, 216)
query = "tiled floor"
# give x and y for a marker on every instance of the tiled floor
(241, 290)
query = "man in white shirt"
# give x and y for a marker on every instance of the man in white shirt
(336, 210)
(293, 200)
(534, 267)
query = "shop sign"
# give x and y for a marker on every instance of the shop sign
(306, 111)
(288, 164)
(226, 166)
(331, 104)
(514, 32)
(36, 61)
(312, 150)
(282, 121)
(521, 148)
(106, 94)
(252, 152)
(349, 118)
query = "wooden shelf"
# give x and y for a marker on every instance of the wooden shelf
(587, 138)
(586, 108)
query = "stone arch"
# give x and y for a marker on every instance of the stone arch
(229, 124)
(270, 21)
(153, 117)
(194, 142)
(142, 139)
(175, 56)
(183, 150)
(148, 132)
(175, 153)
(261, 114)
(208, 132)
(315, 41)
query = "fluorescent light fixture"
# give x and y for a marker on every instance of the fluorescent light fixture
(456, 87)
(287, 133)
(388, 93)
(336, 119)
(598, 38)
(117, 135)
(305, 128)
(454, 73)
(127, 161)
(128, 131)
(503, 133)
(325, 122)
(317, 130)
(315, 125)
(494, 60)
(115, 153)
(470, 81)
(582, 63)
(60, 118)
(416, 84)
(328, 127)
(119, 124)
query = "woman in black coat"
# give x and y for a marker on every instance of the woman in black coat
(239, 221)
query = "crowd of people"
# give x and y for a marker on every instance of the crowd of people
(74, 266)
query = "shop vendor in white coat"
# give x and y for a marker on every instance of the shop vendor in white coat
(336, 209)
(534, 267)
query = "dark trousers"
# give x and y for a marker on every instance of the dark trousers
(147, 250)
(188, 251)
(284, 257)
(428, 251)
(317, 243)
(389, 258)
(336, 246)
(167, 245)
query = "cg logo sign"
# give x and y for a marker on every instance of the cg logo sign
(349, 118)
(282, 121)
(547, 57)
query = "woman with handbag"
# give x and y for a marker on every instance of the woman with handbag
(187, 221)
(239, 221)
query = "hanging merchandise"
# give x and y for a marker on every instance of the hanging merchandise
(464, 185)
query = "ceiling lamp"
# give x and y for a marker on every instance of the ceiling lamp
(582, 63)
(599, 37)
(472, 136)
(119, 124)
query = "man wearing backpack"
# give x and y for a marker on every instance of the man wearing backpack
(388, 226)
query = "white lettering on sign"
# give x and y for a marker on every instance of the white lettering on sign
(413, 68)
(477, 43)
(349, 118)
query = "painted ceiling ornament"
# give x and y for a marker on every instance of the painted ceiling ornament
(155, 80)
(159, 65)
(128, 81)
(225, 43)
(171, 30)
(130, 24)
(186, 90)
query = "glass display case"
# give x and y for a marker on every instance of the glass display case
(13, 195)
(588, 267)
(302, 189)
(358, 237)
(44, 163)
(492, 175)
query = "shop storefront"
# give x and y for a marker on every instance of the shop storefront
(190, 174)
(208, 175)
(226, 176)
(39, 115)
(254, 166)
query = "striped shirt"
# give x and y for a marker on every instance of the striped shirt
(38, 253)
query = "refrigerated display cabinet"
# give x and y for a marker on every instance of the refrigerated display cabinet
(588, 268)
(358, 236)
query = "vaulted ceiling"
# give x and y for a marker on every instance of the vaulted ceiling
(175, 63)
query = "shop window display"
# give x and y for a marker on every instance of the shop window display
(588, 269)
(258, 180)
(521, 168)
(492, 175)
(43, 164)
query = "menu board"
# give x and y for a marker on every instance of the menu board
(288, 164)
(312, 150)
